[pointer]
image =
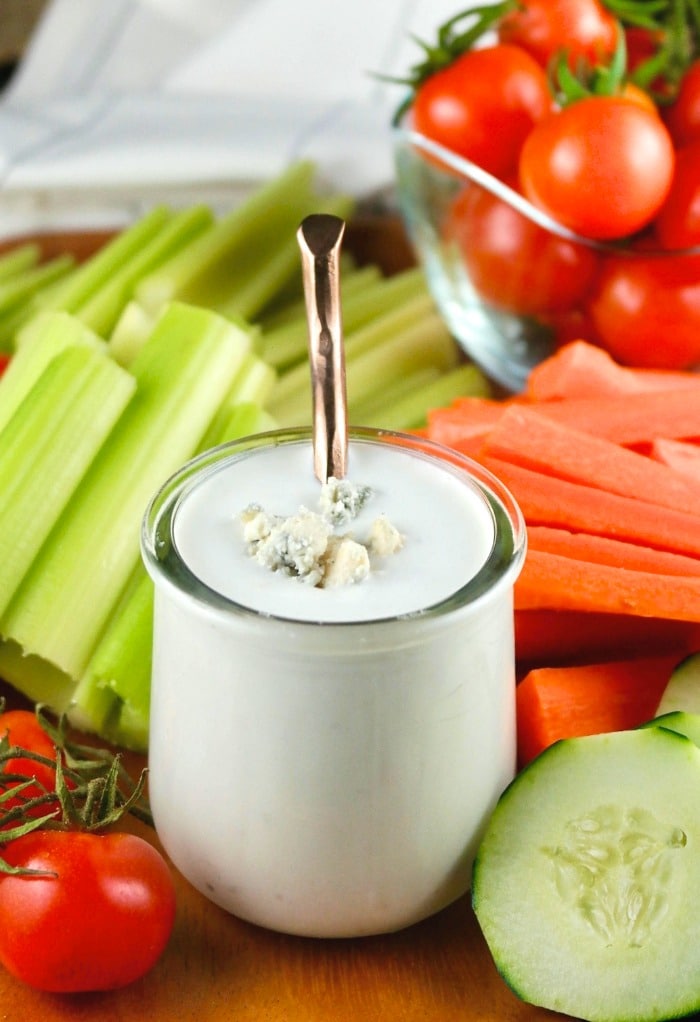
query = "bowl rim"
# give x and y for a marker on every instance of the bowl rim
(464, 168)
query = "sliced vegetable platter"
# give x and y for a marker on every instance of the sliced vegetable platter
(216, 964)
(128, 353)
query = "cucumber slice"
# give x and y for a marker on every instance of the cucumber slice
(587, 881)
(683, 689)
(682, 723)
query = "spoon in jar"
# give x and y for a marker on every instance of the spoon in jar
(320, 236)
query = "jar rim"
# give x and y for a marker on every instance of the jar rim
(500, 568)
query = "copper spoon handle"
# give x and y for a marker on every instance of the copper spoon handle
(320, 236)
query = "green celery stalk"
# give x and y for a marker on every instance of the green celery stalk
(183, 373)
(244, 419)
(100, 267)
(295, 381)
(252, 386)
(426, 343)
(51, 334)
(363, 298)
(18, 259)
(367, 412)
(255, 281)
(204, 272)
(46, 448)
(113, 695)
(254, 382)
(102, 309)
(294, 309)
(409, 410)
(20, 287)
(19, 324)
(36, 679)
(20, 292)
(130, 333)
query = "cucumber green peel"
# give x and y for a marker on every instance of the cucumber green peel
(587, 880)
(683, 689)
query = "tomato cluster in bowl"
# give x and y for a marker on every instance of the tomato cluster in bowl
(565, 151)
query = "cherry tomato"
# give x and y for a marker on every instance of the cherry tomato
(634, 94)
(646, 310)
(545, 28)
(100, 923)
(514, 263)
(601, 166)
(677, 224)
(23, 729)
(683, 115)
(483, 105)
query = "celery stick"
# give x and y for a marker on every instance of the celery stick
(46, 448)
(22, 286)
(287, 344)
(255, 281)
(183, 373)
(251, 386)
(294, 383)
(367, 412)
(114, 692)
(295, 309)
(113, 695)
(410, 409)
(35, 678)
(130, 333)
(425, 343)
(244, 419)
(100, 267)
(51, 334)
(203, 272)
(20, 292)
(101, 310)
(19, 259)
(18, 325)
(255, 382)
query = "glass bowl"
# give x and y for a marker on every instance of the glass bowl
(510, 282)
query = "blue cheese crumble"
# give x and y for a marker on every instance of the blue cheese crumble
(306, 546)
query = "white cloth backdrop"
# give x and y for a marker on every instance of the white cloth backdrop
(120, 101)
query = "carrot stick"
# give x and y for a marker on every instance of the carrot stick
(680, 455)
(546, 500)
(558, 637)
(525, 437)
(583, 546)
(580, 370)
(640, 418)
(566, 702)
(562, 583)
(464, 419)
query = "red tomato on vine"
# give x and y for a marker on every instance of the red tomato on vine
(683, 115)
(677, 224)
(22, 729)
(99, 922)
(602, 166)
(646, 310)
(546, 28)
(514, 263)
(483, 105)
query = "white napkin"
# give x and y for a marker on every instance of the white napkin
(185, 100)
